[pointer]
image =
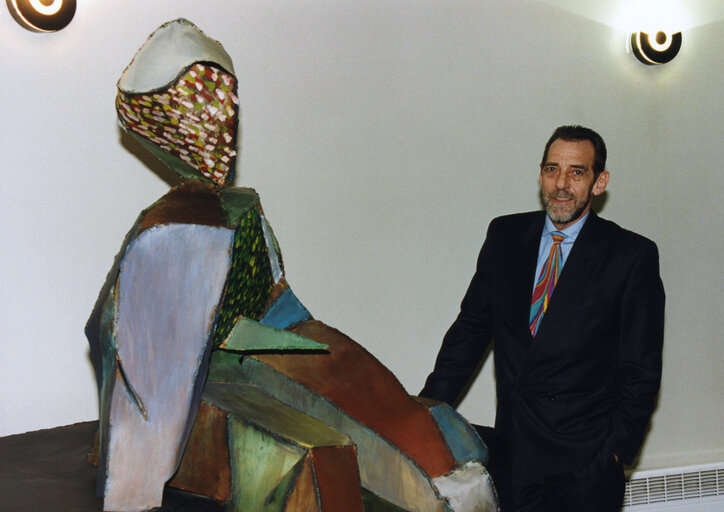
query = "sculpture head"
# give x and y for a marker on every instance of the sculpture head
(178, 98)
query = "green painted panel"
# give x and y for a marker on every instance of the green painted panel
(276, 500)
(250, 279)
(224, 366)
(251, 335)
(383, 468)
(236, 202)
(284, 423)
(175, 164)
(107, 376)
(373, 503)
(259, 463)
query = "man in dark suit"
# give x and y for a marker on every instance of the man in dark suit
(575, 307)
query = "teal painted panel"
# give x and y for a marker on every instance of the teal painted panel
(287, 310)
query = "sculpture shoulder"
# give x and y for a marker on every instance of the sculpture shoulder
(237, 201)
(192, 202)
(196, 202)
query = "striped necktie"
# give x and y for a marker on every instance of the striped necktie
(546, 282)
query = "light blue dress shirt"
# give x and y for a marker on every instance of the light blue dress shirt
(546, 241)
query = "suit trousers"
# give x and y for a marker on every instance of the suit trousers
(596, 487)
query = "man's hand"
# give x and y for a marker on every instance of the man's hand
(427, 402)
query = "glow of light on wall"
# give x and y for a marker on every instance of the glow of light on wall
(652, 16)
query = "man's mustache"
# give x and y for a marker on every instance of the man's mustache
(561, 195)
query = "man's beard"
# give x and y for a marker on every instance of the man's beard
(569, 213)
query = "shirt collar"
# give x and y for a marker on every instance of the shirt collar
(571, 231)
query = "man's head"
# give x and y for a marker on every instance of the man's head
(580, 133)
(572, 171)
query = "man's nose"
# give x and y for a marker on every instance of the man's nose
(562, 180)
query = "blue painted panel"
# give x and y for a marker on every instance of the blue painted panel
(464, 442)
(287, 310)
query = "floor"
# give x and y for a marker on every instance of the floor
(47, 471)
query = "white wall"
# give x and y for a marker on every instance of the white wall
(383, 137)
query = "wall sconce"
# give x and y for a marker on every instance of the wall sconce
(42, 15)
(659, 49)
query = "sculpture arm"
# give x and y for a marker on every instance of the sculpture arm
(169, 284)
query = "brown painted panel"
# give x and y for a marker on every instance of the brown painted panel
(192, 202)
(94, 454)
(204, 466)
(360, 385)
(338, 480)
(303, 497)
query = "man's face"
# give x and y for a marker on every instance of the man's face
(566, 181)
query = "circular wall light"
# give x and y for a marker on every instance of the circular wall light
(659, 49)
(42, 15)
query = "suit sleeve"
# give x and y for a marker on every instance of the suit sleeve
(641, 335)
(465, 342)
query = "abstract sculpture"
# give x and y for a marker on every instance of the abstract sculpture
(213, 377)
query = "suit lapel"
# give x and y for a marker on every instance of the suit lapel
(522, 263)
(579, 269)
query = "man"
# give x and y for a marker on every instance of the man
(577, 320)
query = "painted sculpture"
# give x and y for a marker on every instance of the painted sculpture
(213, 377)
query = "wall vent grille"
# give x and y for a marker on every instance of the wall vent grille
(675, 485)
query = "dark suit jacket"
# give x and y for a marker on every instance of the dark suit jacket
(588, 381)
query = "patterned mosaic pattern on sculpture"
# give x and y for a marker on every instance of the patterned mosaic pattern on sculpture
(250, 277)
(194, 120)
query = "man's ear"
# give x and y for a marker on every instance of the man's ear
(601, 183)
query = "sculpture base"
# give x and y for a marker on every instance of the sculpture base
(47, 470)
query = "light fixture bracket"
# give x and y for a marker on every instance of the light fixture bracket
(42, 15)
(660, 48)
